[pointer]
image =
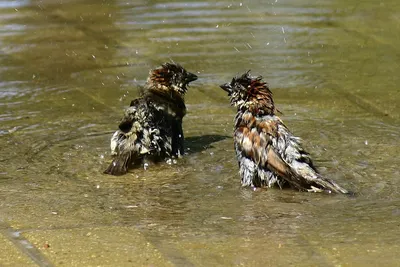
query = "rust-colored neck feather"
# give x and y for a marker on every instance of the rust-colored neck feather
(259, 98)
(158, 88)
(159, 77)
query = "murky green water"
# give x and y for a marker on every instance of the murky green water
(69, 69)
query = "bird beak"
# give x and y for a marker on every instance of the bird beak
(226, 87)
(190, 77)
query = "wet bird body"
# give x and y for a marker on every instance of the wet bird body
(151, 128)
(267, 152)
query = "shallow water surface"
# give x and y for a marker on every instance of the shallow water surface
(69, 69)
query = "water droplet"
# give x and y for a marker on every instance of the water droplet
(131, 206)
(16, 234)
(145, 166)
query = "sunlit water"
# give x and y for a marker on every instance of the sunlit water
(68, 70)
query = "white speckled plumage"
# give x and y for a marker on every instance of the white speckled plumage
(151, 127)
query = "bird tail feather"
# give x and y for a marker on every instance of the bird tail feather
(119, 165)
(329, 185)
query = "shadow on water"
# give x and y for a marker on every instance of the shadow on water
(200, 143)
(69, 68)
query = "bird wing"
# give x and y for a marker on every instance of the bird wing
(301, 172)
(254, 137)
(130, 116)
(123, 145)
(256, 144)
(265, 141)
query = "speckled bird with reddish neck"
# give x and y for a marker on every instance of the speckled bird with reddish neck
(267, 152)
(151, 128)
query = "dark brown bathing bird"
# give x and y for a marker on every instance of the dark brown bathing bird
(267, 152)
(151, 128)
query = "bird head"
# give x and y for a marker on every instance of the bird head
(171, 77)
(251, 93)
